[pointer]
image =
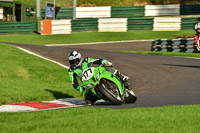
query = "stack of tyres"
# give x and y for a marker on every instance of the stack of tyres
(174, 45)
(190, 46)
(164, 45)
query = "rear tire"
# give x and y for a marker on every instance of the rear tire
(109, 95)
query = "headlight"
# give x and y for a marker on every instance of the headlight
(98, 75)
(89, 85)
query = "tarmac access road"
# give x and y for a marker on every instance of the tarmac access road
(157, 80)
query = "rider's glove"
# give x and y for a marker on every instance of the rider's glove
(80, 88)
(104, 63)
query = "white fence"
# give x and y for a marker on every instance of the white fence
(93, 12)
(61, 27)
(162, 10)
(112, 25)
(1, 13)
(167, 24)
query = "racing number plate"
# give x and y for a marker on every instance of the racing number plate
(87, 73)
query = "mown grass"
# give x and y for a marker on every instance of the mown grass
(173, 119)
(177, 54)
(24, 77)
(86, 37)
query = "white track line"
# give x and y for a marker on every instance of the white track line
(93, 43)
(192, 58)
(42, 57)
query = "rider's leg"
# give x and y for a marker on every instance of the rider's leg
(90, 98)
(121, 76)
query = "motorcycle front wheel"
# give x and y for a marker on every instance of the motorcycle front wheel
(110, 92)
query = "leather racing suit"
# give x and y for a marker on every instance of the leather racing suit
(75, 75)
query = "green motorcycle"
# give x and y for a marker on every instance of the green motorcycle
(106, 85)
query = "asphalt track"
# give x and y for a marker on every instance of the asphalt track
(157, 80)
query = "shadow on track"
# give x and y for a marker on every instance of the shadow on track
(182, 66)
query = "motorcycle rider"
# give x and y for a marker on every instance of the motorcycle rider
(197, 39)
(75, 71)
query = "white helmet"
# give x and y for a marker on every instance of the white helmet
(197, 27)
(74, 59)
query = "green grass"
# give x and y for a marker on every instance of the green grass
(24, 77)
(194, 55)
(173, 119)
(85, 37)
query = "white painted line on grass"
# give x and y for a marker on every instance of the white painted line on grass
(42, 57)
(93, 43)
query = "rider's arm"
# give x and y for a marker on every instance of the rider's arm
(72, 77)
(98, 61)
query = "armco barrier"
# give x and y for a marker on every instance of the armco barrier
(189, 9)
(61, 13)
(64, 13)
(140, 23)
(113, 25)
(55, 27)
(84, 24)
(1, 13)
(16, 27)
(188, 23)
(162, 10)
(93, 12)
(61, 27)
(127, 11)
(174, 45)
(167, 24)
(118, 24)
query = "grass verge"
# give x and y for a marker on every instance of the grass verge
(86, 37)
(176, 119)
(194, 55)
(25, 77)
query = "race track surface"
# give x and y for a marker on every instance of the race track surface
(157, 80)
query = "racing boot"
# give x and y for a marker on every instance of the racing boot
(90, 98)
(123, 78)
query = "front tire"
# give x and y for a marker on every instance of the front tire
(130, 96)
(116, 99)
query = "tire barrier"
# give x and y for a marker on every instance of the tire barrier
(174, 45)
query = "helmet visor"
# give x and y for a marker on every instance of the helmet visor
(74, 62)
